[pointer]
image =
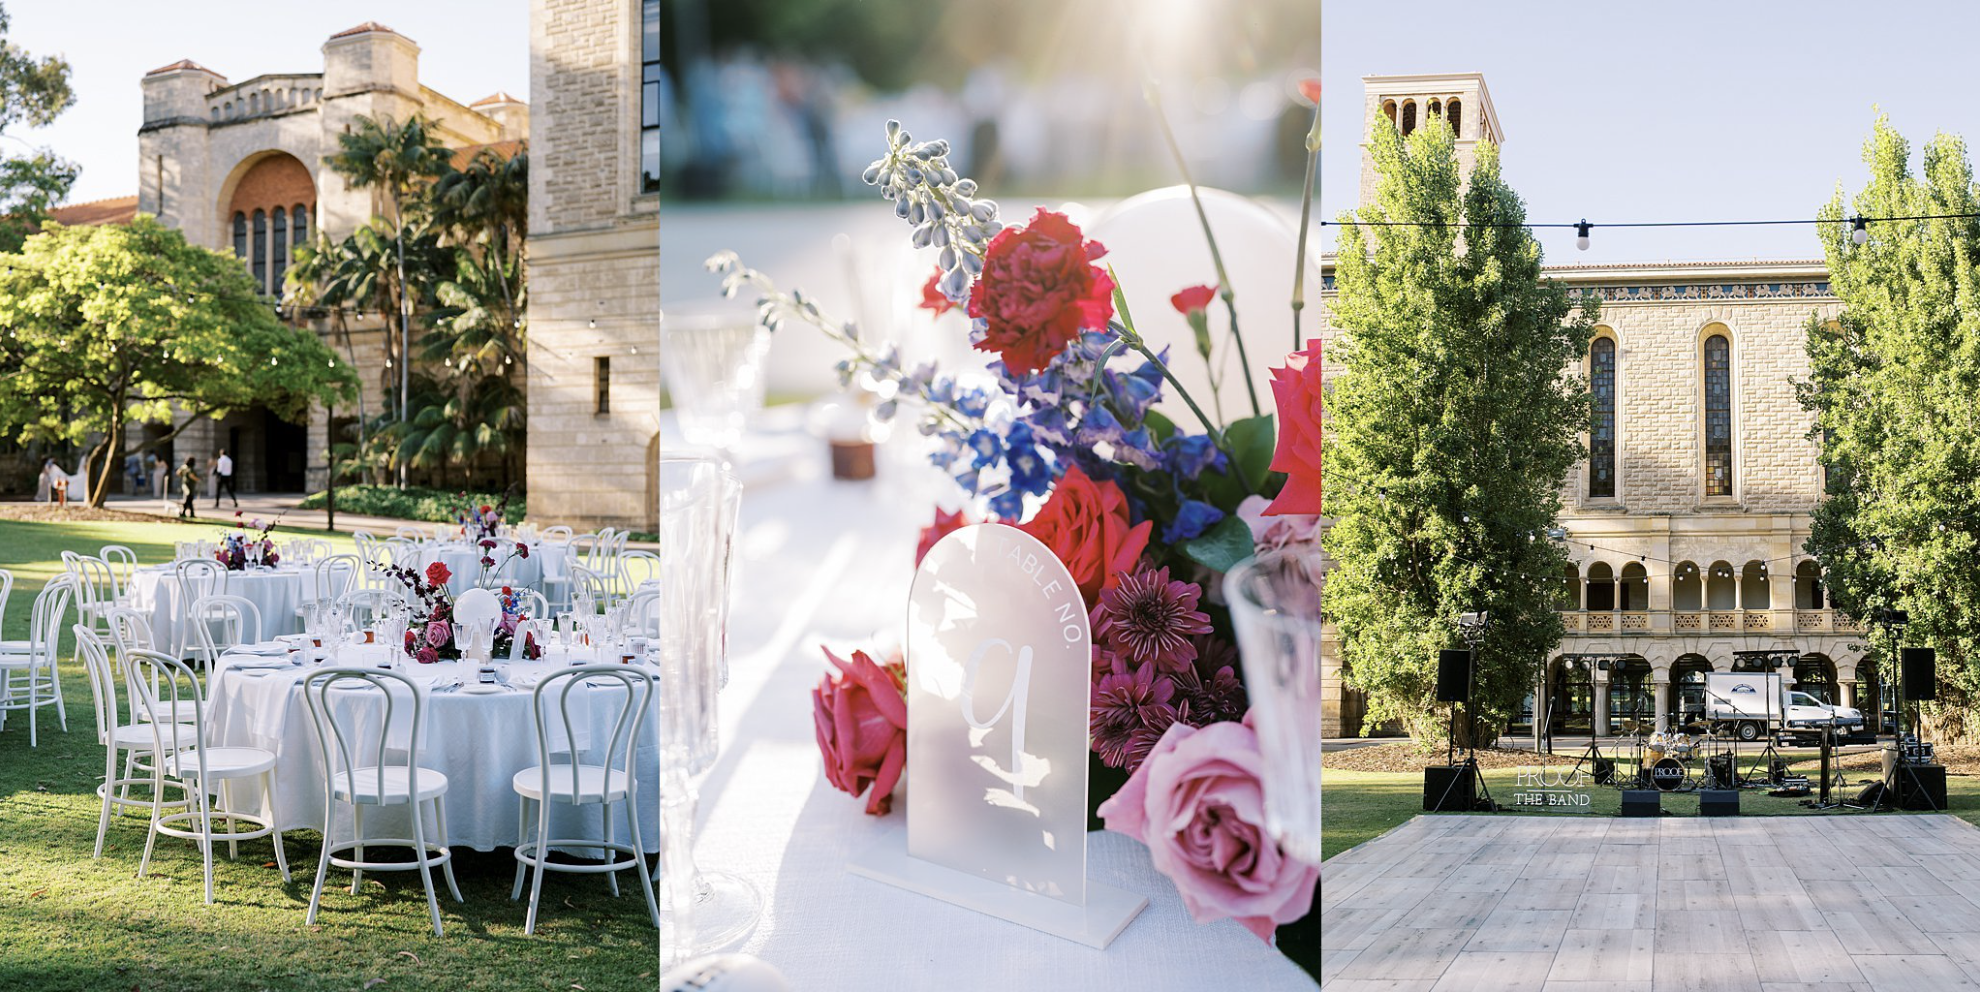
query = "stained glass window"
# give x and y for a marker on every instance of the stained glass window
(1718, 416)
(1602, 433)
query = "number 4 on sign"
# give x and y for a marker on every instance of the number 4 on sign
(1000, 663)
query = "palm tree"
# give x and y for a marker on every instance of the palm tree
(398, 161)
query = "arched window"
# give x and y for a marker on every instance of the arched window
(259, 260)
(1436, 108)
(1807, 586)
(278, 252)
(1815, 675)
(299, 222)
(1721, 590)
(1635, 588)
(1687, 588)
(1408, 117)
(1570, 588)
(216, 113)
(1601, 587)
(1389, 111)
(1454, 115)
(1754, 591)
(1602, 433)
(1630, 694)
(240, 237)
(1688, 690)
(1718, 416)
(254, 103)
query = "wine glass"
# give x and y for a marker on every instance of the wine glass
(1275, 610)
(707, 910)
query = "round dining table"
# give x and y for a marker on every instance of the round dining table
(463, 561)
(823, 562)
(478, 736)
(275, 592)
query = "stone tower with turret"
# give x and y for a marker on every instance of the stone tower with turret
(1408, 102)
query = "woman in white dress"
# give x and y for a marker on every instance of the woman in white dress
(44, 486)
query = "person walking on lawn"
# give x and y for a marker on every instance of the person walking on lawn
(189, 481)
(223, 478)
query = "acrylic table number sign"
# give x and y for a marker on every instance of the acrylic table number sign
(999, 662)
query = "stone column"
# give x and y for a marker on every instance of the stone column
(1848, 694)
(1601, 703)
(1663, 688)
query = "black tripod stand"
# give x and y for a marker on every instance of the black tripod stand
(1834, 787)
(1471, 627)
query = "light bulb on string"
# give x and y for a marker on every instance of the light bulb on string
(1859, 230)
(1581, 234)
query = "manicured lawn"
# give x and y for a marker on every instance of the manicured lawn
(68, 922)
(1359, 806)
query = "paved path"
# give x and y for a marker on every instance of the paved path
(268, 505)
(1498, 903)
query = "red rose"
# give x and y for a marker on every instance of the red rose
(485, 508)
(1195, 298)
(932, 298)
(1039, 290)
(860, 714)
(944, 525)
(522, 550)
(1296, 390)
(437, 573)
(1086, 525)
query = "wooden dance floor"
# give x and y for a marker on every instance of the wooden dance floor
(1502, 903)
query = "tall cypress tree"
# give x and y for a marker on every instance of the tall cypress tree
(1456, 420)
(1893, 384)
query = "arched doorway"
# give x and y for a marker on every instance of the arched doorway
(1815, 675)
(1688, 690)
(1721, 589)
(1631, 695)
(1755, 592)
(1808, 586)
(1601, 587)
(1634, 590)
(1687, 591)
(1571, 697)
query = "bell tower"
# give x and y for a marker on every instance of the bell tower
(1458, 100)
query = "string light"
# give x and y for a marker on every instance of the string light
(1581, 234)
(1859, 225)
(1859, 230)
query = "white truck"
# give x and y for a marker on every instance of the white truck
(1756, 704)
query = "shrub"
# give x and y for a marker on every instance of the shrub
(436, 505)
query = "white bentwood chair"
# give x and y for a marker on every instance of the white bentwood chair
(225, 622)
(29, 666)
(359, 773)
(123, 740)
(200, 770)
(198, 578)
(610, 780)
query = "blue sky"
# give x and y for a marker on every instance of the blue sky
(1666, 111)
(468, 49)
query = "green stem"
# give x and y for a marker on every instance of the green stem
(1134, 340)
(1305, 212)
(1216, 257)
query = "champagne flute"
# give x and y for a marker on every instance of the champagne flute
(1275, 610)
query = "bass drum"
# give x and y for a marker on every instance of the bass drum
(1668, 775)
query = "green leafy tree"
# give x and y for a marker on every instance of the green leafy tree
(33, 92)
(1892, 385)
(108, 325)
(1452, 430)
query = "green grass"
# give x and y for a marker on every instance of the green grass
(1360, 806)
(70, 923)
(435, 505)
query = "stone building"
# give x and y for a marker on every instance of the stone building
(594, 253)
(240, 166)
(1687, 521)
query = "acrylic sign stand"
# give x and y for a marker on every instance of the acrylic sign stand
(999, 660)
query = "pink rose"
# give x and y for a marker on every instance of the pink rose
(860, 712)
(1198, 805)
(1296, 389)
(438, 633)
(1273, 533)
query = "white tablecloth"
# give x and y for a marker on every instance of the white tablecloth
(825, 561)
(276, 592)
(478, 741)
(464, 561)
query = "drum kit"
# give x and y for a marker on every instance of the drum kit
(1665, 759)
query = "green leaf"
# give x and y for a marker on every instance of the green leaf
(1220, 547)
(1252, 440)
(1160, 427)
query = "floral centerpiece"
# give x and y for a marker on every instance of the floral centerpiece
(481, 523)
(248, 544)
(1146, 513)
(431, 633)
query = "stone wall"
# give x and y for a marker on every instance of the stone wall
(594, 255)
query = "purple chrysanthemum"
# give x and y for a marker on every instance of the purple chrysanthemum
(1208, 690)
(1147, 617)
(1130, 713)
